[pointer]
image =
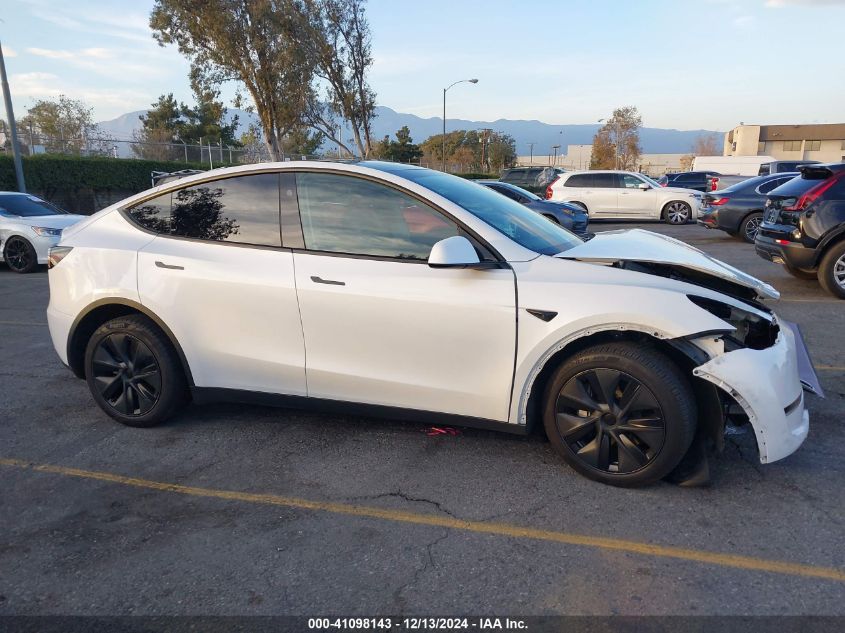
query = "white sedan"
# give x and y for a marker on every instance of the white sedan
(625, 195)
(29, 226)
(400, 291)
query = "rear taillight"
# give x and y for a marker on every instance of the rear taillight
(714, 183)
(57, 254)
(811, 195)
(549, 191)
(719, 202)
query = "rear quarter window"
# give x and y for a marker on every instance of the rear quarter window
(578, 180)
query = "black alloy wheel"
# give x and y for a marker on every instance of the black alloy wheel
(20, 256)
(134, 371)
(622, 413)
(127, 374)
(749, 227)
(610, 421)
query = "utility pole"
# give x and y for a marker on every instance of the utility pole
(531, 149)
(13, 129)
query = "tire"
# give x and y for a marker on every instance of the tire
(596, 438)
(749, 225)
(20, 255)
(677, 212)
(831, 273)
(133, 372)
(799, 273)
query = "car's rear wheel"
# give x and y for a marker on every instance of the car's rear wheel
(800, 273)
(749, 226)
(20, 255)
(133, 371)
(677, 212)
(831, 273)
(620, 413)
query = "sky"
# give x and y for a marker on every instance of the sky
(685, 64)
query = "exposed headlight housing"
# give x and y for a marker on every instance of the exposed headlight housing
(750, 330)
(45, 231)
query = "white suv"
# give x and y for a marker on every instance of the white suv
(395, 290)
(621, 195)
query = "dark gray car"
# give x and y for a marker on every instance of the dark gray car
(569, 216)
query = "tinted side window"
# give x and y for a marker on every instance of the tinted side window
(244, 209)
(343, 214)
(153, 215)
(630, 182)
(605, 181)
(579, 180)
(513, 195)
(515, 176)
(766, 187)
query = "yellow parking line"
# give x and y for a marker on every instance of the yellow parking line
(498, 529)
(830, 367)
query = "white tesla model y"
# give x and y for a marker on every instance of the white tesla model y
(397, 290)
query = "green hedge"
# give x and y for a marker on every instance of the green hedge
(52, 173)
(474, 176)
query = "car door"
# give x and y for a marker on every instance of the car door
(382, 327)
(218, 276)
(633, 201)
(602, 196)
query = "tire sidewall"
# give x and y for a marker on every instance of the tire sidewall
(825, 272)
(679, 417)
(744, 225)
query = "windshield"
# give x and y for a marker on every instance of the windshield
(523, 226)
(27, 206)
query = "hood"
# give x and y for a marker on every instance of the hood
(653, 253)
(682, 190)
(54, 221)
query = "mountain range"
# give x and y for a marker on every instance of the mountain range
(543, 135)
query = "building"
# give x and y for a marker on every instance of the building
(824, 142)
(578, 157)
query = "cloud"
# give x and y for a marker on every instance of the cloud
(8, 51)
(777, 4)
(99, 53)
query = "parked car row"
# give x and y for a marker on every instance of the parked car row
(569, 216)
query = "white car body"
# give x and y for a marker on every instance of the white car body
(31, 228)
(391, 333)
(631, 196)
(731, 165)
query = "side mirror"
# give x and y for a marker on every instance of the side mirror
(453, 252)
(644, 186)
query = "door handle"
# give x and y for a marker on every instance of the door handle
(169, 266)
(330, 282)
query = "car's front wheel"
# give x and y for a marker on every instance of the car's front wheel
(749, 226)
(20, 255)
(620, 413)
(133, 371)
(831, 272)
(677, 212)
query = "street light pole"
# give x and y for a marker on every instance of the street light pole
(531, 148)
(13, 129)
(471, 81)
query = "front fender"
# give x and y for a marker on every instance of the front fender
(587, 299)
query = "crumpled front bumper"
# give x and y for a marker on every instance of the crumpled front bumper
(766, 384)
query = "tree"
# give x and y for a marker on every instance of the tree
(337, 37)
(603, 155)
(402, 150)
(302, 142)
(501, 151)
(706, 145)
(622, 132)
(257, 43)
(62, 125)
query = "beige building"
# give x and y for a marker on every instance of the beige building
(578, 157)
(824, 142)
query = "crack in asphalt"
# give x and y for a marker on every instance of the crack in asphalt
(405, 497)
(427, 562)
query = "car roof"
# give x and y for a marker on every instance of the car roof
(17, 193)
